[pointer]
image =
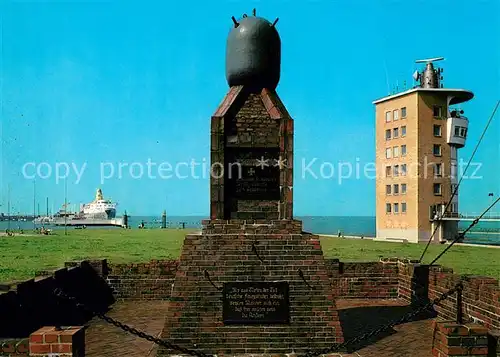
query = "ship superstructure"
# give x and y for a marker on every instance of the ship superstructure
(99, 208)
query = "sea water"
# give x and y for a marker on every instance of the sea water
(482, 233)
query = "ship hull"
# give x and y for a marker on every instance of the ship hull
(92, 222)
(108, 214)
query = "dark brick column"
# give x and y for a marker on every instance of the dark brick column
(250, 124)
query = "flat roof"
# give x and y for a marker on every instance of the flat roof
(459, 95)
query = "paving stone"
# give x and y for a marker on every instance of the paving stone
(105, 340)
(413, 339)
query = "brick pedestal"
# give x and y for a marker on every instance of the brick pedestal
(453, 340)
(194, 317)
(251, 126)
(49, 341)
(252, 226)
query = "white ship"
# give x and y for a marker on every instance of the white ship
(99, 208)
(99, 212)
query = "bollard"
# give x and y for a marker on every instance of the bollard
(164, 220)
(459, 304)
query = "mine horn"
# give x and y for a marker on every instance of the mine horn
(236, 23)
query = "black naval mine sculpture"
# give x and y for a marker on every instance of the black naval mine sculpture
(252, 281)
(253, 53)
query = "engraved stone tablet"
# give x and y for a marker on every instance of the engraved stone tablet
(254, 174)
(256, 303)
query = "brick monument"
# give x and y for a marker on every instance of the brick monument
(252, 281)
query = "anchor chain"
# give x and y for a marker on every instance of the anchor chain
(367, 335)
(61, 294)
(334, 348)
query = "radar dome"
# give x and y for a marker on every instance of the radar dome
(253, 53)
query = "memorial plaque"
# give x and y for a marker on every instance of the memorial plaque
(260, 303)
(254, 174)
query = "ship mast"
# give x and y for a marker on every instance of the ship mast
(65, 206)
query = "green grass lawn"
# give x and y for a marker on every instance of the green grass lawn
(463, 259)
(22, 256)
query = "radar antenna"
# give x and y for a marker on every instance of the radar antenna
(429, 77)
(430, 60)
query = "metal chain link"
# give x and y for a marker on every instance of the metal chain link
(334, 348)
(61, 294)
(367, 335)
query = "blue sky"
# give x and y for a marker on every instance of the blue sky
(91, 83)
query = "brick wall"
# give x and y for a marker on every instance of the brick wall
(143, 281)
(377, 280)
(253, 125)
(481, 295)
(26, 306)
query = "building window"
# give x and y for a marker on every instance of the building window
(403, 112)
(387, 208)
(437, 130)
(387, 189)
(403, 170)
(453, 188)
(437, 189)
(437, 111)
(403, 207)
(396, 170)
(388, 134)
(395, 151)
(395, 114)
(453, 170)
(436, 150)
(387, 117)
(403, 130)
(395, 133)
(463, 132)
(387, 171)
(403, 188)
(403, 150)
(460, 131)
(433, 212)
(396, 189)
(438, 170)
(454, 208)
(396, 208)
(388, 153)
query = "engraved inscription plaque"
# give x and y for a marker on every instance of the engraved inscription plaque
(256, 303)
(254, 174)
(257, 183)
